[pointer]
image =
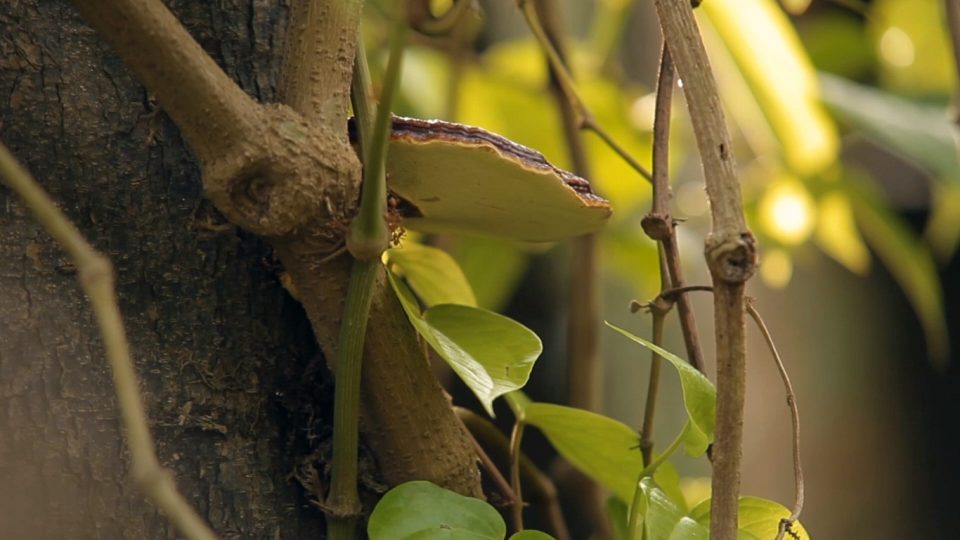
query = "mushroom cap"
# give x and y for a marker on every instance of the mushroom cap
(454, 178)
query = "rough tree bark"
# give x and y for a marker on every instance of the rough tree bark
(218, 343)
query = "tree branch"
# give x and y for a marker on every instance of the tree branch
(315, 79)
(730, 252)
(211, 111)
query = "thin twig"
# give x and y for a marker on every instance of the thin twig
(786, 523)
(516, 436)
(502, 484)
(659, 224)
(650, 408)
(96, 276)
(584, 118)
(540, 487)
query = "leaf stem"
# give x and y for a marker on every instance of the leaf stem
(633, 523)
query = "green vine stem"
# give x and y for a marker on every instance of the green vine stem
(96, 276)
(633, 524)
(516, 509)
(366, 240)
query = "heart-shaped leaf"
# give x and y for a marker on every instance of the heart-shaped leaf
(662, 519)
(491, 353)
(699, 397)
(603, 448)
(423, 511)
(757, 518)
(432, 274)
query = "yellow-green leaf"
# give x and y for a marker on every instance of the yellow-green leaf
(603, 448)
(758, 518)
(699, 397)
(491, 353)
(432, 274)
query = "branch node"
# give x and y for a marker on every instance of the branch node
(731, 257)
(658, 226)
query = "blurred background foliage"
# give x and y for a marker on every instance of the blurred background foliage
(840, 112)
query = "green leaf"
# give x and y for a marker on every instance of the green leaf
(491, 353)
(909, 261)
(699, 397)
(531, 535)
(918, 132)
(663, 519)
(757, 518)
(424, 511)
(432, 274)
(603, 448)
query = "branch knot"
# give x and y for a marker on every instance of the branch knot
(731, 256)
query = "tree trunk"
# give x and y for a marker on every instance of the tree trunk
(223, 353)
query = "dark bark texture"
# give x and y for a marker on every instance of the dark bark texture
(220, 348)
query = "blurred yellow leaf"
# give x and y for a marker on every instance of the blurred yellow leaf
(768, 52)
(912, 44)
(837, 233)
